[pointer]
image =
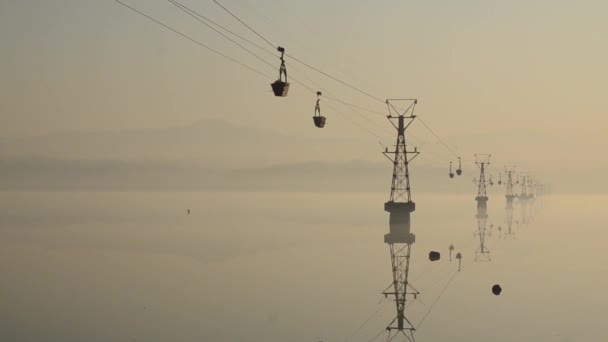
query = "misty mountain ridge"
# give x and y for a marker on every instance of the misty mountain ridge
(210, 142)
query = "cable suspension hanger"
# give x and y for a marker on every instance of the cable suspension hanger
(333, 77)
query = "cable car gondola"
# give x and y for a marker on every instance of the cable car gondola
(451, 173)
(280, 87)
(318, 119)
(459, 170)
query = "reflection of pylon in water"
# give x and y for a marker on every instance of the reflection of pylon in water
(523, 201)
(509, 220)
(482, 253)
(483, 162)
(532, 199)
(400, 206)
(509, 185)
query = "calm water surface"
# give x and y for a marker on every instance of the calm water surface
(291, 267)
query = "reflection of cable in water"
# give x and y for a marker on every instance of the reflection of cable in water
(366, 321)
(437, 300)
(378, 335)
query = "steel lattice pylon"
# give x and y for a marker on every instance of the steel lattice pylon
(509, 219)
(482, 253)
(483, 162)
(523, 200)
(400, 206)
(509, 195)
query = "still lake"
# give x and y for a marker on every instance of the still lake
(293, 267)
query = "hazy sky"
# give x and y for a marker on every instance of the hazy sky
(476, 66)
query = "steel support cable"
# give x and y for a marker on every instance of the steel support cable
(193, 40)
(436, 280)
(225, 56)
(323, 73)
(354, 333)
(385, 128)
(193, 12)
(437, 300)
(357, 124)
(251, 68)
(336, 79)
(378, 335)
(437, 137)
(296, 59)
(242, 22)
(196, 17)
(332, 77)
(224, 28)
(329, 96)
(426, 271)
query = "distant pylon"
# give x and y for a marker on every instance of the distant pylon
(509, 186)
(400, 206)
(483, 162)
(523, 200)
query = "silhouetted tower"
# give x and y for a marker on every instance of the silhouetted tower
(509, 185)
(523, 199)
(531, 188)
(483, 162)
(524, 188)
(510, 196)
(482, 253)
(400, 206)
(532, 195)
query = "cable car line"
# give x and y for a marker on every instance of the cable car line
(242, 22)
(223, 28)
(240, 63)
(232, 59)
(192, 39)
(195, 16)
(437, 137)
(334, 78)
(298, 60)
(185, 9)
(193, 13)
(199, 16)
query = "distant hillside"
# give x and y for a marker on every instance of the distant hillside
(214, 143)
(216, 155)
(70, 175)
